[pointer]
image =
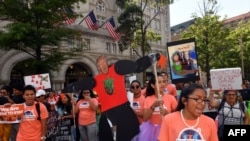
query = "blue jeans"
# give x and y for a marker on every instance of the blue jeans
(88, 132)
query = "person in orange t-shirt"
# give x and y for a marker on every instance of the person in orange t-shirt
(31, 128)
(170, 88)
(86, 107)
(188, 122)
(139, 98)
(156, 106)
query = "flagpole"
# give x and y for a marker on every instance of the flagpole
(85, 17)
(105, 21)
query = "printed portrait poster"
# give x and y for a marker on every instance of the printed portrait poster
(226, 79)
(39, 81)
(183, 61)
(11, 114)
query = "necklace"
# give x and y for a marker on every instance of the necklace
(197, 121)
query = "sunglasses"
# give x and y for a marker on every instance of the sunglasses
(133, 87)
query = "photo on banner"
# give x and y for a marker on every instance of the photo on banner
(183, 61)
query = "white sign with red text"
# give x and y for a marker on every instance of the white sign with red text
(226, 79)
(39, 81)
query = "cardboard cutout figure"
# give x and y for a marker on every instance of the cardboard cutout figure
(118, 120)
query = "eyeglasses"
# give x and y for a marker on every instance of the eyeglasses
(199, 100)
(136, 86)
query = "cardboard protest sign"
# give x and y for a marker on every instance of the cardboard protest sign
(11, 114)
(64, 130)
(39, 81)
(52, 126)
(226, 79)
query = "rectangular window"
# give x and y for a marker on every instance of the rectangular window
(100, 20)
(86, 44)
(100, 7)
(108, 49)
(114, 48)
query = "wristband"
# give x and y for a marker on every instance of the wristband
(43, 138)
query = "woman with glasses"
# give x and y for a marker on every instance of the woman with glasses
(156, 106)
(138, 99)
(86, 108)
(231, 112)
(188, 122)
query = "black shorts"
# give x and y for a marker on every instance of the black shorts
(125, 120)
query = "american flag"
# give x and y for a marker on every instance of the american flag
(91, 21)
(68, 20)
(110, 25)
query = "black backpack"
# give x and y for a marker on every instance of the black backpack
(38, 110)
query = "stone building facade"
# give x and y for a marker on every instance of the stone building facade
(96, 43)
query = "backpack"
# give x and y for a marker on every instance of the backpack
(38, 110)
(221, 127)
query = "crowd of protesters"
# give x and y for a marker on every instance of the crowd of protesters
(197, 112)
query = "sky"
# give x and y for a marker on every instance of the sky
(181, 10)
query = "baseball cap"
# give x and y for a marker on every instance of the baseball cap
(40, 93)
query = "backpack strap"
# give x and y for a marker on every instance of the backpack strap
(242, 107)
(38, 110)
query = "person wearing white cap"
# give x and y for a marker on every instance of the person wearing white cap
(40, 97)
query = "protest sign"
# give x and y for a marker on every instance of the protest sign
(183, 61)
(11, 114)
(64, 130)
(226, 79)
(39, 81)
(52, 126)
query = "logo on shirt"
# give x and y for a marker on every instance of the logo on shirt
(84, 105)
(29, 115)
(190, 134)
(136, 105)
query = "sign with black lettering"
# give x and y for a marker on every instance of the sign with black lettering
(236, 132)
(64, 130)
(52, 126)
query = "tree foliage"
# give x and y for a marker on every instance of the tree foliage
(37, 27)
(133, 26)
(211, 39)
(239, 53)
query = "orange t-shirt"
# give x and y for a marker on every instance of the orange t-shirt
(174, 129)
(169, 102)
(119, 95)
(86, 114)
(138, 104)
(171, 89)
(30, 128)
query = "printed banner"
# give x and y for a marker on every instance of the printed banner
(183, 61)
(11, 114)
(39, 81)
(226, 79)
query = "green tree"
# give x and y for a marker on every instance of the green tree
(210, 35)
(37, 27)
(239, 53)
(134, 25)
